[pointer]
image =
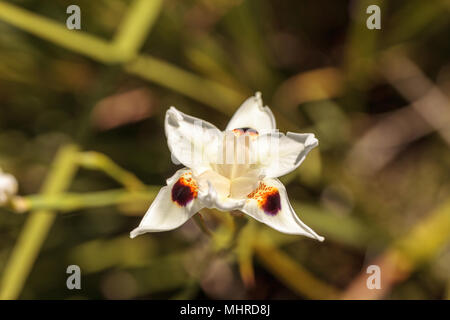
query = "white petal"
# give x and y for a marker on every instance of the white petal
(220, 184)
(280, 154)
(165, 213)
(252, 114)
(8, 187)
(191, 140)
(269, 204)
(8, 184)
(245, 184)
(211, 199)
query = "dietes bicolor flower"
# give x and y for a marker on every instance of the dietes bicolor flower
(235, 169)
(8, 187)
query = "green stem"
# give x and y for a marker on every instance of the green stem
(133, 30)
(129, 38)
(245, 250)
(131, 34)
(47, 29)
(292, 274)
(98, 161)
(37, 226)
(206, 91)
(67, 202)
(200, 222)
(406, 254)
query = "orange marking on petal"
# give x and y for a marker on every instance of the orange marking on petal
(267, 197)
(248, 131)
(184, 190)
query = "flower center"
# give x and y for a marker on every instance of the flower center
(236, 157)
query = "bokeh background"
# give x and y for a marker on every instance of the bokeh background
(377, 187)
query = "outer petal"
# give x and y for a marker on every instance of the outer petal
(173, 206)
(269, 204)
(280, 154)
(191, 141)
(252, 114)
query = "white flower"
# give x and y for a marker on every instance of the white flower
(8, 187)
(236, 169)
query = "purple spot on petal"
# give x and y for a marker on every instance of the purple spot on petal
(272, 203)
(182, 193)
(248, 130)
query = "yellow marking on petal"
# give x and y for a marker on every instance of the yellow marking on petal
(267, 197)
(184, 190)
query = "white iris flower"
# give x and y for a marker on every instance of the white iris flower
(8, 187)
(235, 169)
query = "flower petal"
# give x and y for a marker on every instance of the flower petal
(269, 204)
(241, 186)
(8, 187)
(211, 199)
(173, 206)
(220, 184)
(191, 141)
(252, 114)
(280, 154)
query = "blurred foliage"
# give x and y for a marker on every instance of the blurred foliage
(377, 187)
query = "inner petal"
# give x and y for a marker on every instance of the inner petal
(220, 183)
(244, 185)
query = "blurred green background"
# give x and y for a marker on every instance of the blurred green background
(377, 187)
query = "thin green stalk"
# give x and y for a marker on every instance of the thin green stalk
(37, 226)
(131, 34)
(245, 250)
(361, 48)
(130, 37)
(406, 254)
(432, 233)
(98, 161)
(55, 32)
(134, 28)
(292, 274)
(66, 202)
(200, 222)
(206, 91)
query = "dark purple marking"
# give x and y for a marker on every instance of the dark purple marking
(272, 203)
(181, 193)
(247, 130)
